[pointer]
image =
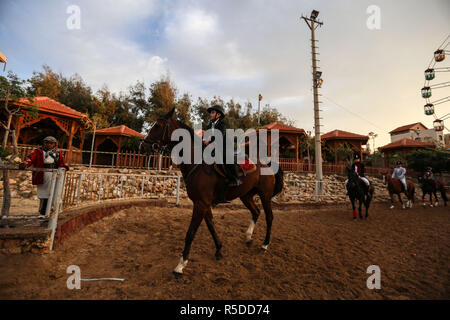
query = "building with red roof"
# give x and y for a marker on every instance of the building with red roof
(336, 139)
(43, 117)
(403, 147)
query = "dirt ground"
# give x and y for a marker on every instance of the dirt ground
(315, 253)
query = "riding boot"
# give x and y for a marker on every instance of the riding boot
(233, 174)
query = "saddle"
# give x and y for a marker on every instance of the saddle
(243, 169)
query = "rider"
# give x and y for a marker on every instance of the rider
(428, 174)
(400, 174)
(216, 115)
(359, 168)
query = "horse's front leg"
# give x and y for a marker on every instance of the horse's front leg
(435, 196)
(352, 200)
(197, 217)
(392, 200)
(400, 199)
(361, 200)
(212, 230)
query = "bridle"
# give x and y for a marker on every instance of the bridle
(156, 146)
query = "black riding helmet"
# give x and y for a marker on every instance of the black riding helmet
(217, 108)
(399, 162)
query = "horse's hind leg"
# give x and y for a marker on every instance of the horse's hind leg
(435, 196)
(249, 202)
(401, 201)
(267, 205)
(212, 230)
(361, 200)
(197, 217)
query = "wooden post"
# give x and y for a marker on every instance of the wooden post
(69, 145)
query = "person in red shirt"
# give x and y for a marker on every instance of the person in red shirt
(46, 157)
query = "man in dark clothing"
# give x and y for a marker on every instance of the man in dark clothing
(217, 114)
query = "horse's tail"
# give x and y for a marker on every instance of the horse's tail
(279, 182)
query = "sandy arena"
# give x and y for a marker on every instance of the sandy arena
(315, 253)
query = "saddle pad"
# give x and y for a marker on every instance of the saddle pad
(248, 166)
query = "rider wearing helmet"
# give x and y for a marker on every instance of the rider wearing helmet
(217, 114)
(359, 168)
(400, 173)
(428, 174)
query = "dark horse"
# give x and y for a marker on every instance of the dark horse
(428, 186)
(204, 187)
(394, 185)
(358, 190)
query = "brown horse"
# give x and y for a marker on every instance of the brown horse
(395, 186)
(205, 186)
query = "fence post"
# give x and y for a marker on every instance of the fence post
(100, 188)
(178, 190)
(52, 191)
(159, 162)
(142, 187)
(80, 178)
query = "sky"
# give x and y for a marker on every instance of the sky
(239, 49)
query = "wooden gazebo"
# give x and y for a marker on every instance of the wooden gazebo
(289, 138)
(46, 116)
(338, 138)
(115, 134)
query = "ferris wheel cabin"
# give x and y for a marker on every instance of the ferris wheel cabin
(438, 125)
(429, 74)
(426, 92)
(439, 55)
(429, 109)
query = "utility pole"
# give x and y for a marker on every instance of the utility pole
(259, 102)
(317, 82)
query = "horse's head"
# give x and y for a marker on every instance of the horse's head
(158, 137)
(352, 178)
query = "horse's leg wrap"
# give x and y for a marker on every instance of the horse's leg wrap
(179, 268)
(249, 232)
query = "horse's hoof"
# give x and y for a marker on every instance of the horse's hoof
(249, 243)
(367, 217)
(177, 275)
(354, 219)
(219, 256)
(391, 207)
(264, 247)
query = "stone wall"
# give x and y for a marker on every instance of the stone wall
(298, 186)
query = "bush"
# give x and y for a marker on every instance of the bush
(438, 160)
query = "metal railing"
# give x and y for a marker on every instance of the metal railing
(90, 187)
(103, 159)
(54, 203)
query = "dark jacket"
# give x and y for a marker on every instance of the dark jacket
(361, 170)
(221, 126)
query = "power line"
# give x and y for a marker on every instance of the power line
(349, 111)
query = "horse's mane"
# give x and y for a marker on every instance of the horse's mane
(189, 129)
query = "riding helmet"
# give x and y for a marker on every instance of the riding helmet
(217, 108)
(357, 156)
(399, 162)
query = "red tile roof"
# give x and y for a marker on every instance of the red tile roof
(283, 128)
(407, 127)
(45, 104)
(406, 143)
(121, 130)
(343, 135)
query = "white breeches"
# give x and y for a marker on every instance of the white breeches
(363, 179)
(403, 180)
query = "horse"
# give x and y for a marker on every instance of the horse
(428, 186)
(395, 186)
(205, 186)
(443, 190)
(358, 190)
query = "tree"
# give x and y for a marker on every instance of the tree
(436, 159)
(46, 83)
(162, 98)
(183, 109)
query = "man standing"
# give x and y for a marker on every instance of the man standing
(216, 114)
(46, 157)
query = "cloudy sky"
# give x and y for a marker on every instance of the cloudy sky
(238, 49)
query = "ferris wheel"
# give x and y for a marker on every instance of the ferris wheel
(436, 66)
